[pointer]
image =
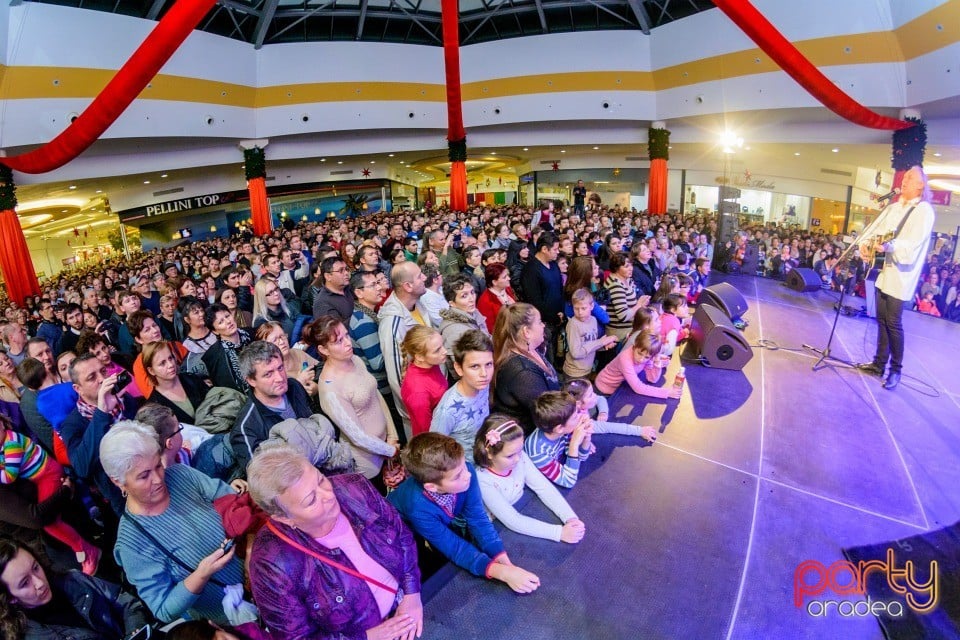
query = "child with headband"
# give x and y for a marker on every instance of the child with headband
(503, 469)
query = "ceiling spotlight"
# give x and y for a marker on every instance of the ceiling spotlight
(389, 155)
(63, 210)
(493, 153)
(526, 148)
(373, 162)
(72, 187)
(796, 153)
(323, 159)
(596, 148)
(146, 182)
(339, 161)
(163, 175)
(745, 148)
(563, 150)
(834, 150)
(937, 155)
(99, 190)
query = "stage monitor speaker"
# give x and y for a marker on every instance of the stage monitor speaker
(724, 296)
(715, 341)
(805, 280)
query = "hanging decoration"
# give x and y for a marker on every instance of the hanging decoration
(122, 90)
(555, 166)
(789, 58)
(658, 145)
(366, 173)
(456, 135)
(15, 261)
(255, 170)
(909, 145)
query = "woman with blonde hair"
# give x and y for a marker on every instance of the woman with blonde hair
(269, 306)
(423, 380)
(522, 373)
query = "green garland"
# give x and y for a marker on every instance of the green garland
(909, 145)
(659, 143)
(8, 191)
(254, 163)
(457, 150)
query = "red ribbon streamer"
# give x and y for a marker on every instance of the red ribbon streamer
(123, 89)
(657, 198)
(772, 42)
(15, 261)
(259, 206)
(450, 17)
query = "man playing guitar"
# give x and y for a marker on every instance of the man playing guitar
(908, 222)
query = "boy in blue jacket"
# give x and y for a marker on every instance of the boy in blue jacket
(440, 497)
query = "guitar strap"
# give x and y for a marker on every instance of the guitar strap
(903, 222)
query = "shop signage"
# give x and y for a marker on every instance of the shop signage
(746, 182)
(181, 205)
(941, 197)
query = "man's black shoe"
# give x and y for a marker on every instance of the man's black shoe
(871, 368)
(892, 381)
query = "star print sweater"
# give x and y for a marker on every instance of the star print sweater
(461, 417)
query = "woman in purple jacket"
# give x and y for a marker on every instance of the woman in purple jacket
(314, 522)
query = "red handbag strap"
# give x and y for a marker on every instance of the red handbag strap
(332, 563)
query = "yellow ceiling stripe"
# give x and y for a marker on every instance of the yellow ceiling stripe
(934, 30)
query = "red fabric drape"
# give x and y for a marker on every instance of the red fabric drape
(15, 262)
(657, 197)
(130, 80)
(772, 42)
(259, 207)
(450, 14)
(458, 186)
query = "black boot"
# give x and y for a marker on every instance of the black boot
(871, 368)
(892, 381)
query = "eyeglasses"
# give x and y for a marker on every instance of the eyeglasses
(273, 291)
(174, 434)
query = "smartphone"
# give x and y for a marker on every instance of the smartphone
(123, 379)
(228, 545)
(143, 633)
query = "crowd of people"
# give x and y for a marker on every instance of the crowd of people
(209, 422)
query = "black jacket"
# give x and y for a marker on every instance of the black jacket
(196, 390)
(256, 419)
(519, 382)
(645, 277)
(110, 613)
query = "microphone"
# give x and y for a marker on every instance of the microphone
(887, 196)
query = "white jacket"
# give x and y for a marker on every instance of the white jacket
(904, 262)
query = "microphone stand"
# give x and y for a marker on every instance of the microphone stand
(825, 353)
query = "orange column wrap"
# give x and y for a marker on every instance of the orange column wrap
(458, 186)
(259, 207)
(657, 197)
(15, 262)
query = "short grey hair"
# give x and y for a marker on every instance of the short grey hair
(126, 441)
(259, 351)
(274, 469)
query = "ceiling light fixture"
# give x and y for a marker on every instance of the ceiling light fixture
(72, 187)
(834, 150)
(563, 150)
(796, 153)
(323, 159)
(99, 190)
(937, 155)
(596, 148)
(163, 175)
(389, 155)
(339, 161)
(146, 182)
(526, 148)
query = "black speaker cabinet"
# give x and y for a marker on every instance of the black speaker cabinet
(715, 340)
(724, 296)
(804, 280)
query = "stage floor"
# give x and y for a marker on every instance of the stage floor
(755, 471)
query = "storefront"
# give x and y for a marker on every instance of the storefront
(202, 217)
(609, 187)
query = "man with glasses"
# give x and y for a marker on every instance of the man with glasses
(336, 297)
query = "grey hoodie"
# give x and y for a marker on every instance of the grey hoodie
(395, 321)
